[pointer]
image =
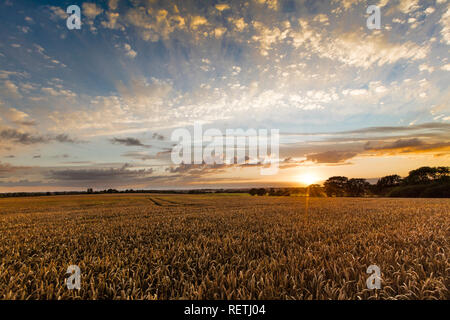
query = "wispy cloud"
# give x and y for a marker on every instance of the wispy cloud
(130, 142)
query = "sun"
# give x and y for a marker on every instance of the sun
(308, 178)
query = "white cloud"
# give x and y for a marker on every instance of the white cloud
(57, 12)
(222, 6)
(271, 4)
(445, 22)
(91, 10)
(425, 67)
(361, 50)
(355, 92)
(16, 116)
(198, 21)
(239, 24)
(129, 51)
(11, 89)
(408, 6)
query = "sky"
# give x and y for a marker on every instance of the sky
(96, 107)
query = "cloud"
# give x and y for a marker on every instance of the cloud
(111, 23)
(158, 136)
(64, 138)
(129, 51)
(360, 50)
(57, 12)
(10, 89)
(408, 6)
(155, 24)
(5, 167)
(139, 156)
(130, 142)
(98, 175)
(102, 177)
(330, 156)
(198, 169)
(198, 21)
(21, 137)
(433, 126)
(91, 10)
(222, 6)
(26, 138)
(18, 117)
(413, 145)
(445, 23)
(239, 24)
(113, 4)
(271, 4)
(401, 143)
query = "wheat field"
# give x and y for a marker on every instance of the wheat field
(223, 246)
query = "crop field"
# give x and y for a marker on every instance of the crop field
(223, 246)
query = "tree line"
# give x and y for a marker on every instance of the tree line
(426, 182)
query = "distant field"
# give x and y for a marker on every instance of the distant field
(150, 246)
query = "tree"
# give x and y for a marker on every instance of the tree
(335, 186)
(387, 182)
(261, 192)
(357, 187)
(315, 190)
(443, 173)
(421, 176)
(253, 191)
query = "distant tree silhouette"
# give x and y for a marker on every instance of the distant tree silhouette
(357, 187)
(315, 190)
(426, 175)
(261, 192)
(335, 186)
(386, 183)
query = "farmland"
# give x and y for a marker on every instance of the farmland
(223, 246)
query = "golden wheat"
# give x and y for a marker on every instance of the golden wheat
(147, 246)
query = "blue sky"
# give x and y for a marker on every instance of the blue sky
(81, 108)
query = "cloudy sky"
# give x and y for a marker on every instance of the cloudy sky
(96, 107)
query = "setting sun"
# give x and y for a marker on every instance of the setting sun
(308, 178)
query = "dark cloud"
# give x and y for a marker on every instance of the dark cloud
(401, 143)
(64, 156)
(197, 169)
(138, 155)
(204, 168)
(122, 174)
(26, 123)
(26, 138)
(407, 145)
(131, 142)
(331, 156)
(23, 183)
(5, 167)
(158, 136)
(164, 154)
(430, 126)
(20, 137)
(425, 126)
(64, 138)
